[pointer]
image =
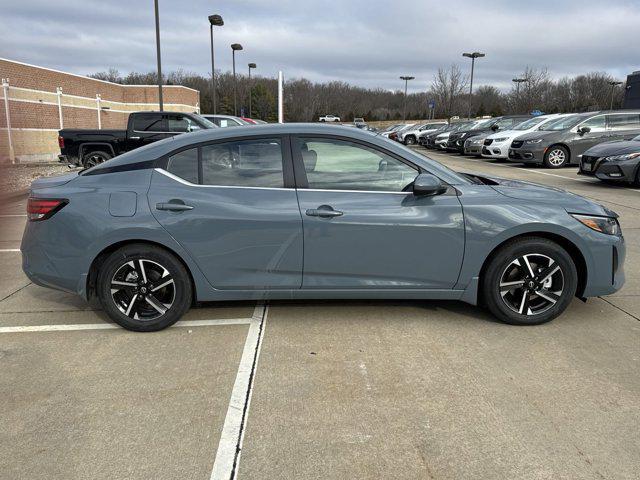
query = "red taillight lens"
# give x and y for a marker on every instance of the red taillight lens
(60, 141)
(43, 208)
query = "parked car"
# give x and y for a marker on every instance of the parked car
(329, 118)
(617, 161)
(441, 141)
(456, 141)
(389, 130)
(496, 145)
(224, 121)
(395, 134)
(563, 141)
(410, 136)
(205, 216)
(427, 140)
(359, 122)
(89, 147)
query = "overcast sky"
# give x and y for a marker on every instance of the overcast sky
(364, 42)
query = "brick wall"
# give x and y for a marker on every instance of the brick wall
(35, 115)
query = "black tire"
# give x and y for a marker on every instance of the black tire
(143, 316)
(92, 159)
(556, 156)
(507, 268)
(410, 140)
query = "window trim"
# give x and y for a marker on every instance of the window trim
(285, 147)
(300, 172)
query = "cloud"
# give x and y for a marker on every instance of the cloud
(368, 43)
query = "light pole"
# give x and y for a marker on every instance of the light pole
(214, 21)
(518, 81)
(473, 57)
(160, 102)
(234, 47)
(613, 84)
(251, 65)
(404, 108)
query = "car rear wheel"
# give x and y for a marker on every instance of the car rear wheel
(92, 159)
(529, 281)
(556, 157)
(144, 288)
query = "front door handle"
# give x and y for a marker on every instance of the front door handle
(173, 206)
(324, 211)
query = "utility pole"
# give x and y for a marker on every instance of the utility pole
(214, 20)
(160, 102)
(473, 57)
(613, 84)
(404, 108)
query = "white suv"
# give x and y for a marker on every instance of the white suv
(329, 118)
(497, 144)
(410, 136)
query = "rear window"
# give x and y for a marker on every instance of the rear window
(149, 123)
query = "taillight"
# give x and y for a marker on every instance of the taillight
(43, 208)
(60, 141)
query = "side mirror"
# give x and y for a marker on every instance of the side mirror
(427, 185)
(583, 130)
(193, 128)
(495, 127)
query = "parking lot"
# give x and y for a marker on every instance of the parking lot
(304, 390)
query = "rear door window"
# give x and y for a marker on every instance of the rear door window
(624, 121)
(149, 123)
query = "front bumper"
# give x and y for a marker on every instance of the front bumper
(495, 151)
(526, 154)
(616, 171)
(472, 149)
(606, 273)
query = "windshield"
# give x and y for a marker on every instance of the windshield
(532, 122)
(483, 124)
(563, 123)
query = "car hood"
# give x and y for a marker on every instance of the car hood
(619, 147)
(54, 181)
(536, 193)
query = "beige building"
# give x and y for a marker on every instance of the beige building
(36, 102)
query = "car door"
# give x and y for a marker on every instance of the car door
(147, 128)
(623, 126)
(363, 228)
(228, 205)
(580, 143)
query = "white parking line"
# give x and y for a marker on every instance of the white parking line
(8, 215)
(225, 465)
(110, 326)
(9, 250)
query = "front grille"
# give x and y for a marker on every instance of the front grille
(517, 144)
(488, 141)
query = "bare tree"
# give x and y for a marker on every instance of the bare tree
(448, 88)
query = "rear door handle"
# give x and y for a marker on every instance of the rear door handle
(173, 206)
(323, 211)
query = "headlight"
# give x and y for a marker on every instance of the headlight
(627, 156)
(536, 140)
(608, 225)
(498, 140)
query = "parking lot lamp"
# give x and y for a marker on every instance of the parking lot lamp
(613, 84)
(251, 65)
(214, 21)
(518, 81)
(404, 108)
(234, 47)
(160, 103)
(473, 57)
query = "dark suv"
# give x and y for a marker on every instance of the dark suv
(457, 139)
(563, 142)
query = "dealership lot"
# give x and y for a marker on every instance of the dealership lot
(341, 389)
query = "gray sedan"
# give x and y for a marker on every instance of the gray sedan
(306, 211)
(613, 161)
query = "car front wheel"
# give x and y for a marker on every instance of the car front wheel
(410, 140)
(529, 281)
(556, 157)
(144, 288)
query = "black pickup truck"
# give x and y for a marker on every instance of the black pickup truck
(87, 148)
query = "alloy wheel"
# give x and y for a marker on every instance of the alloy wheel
(557, 157)
(93, 160)
(143, 289)
(531, 284)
